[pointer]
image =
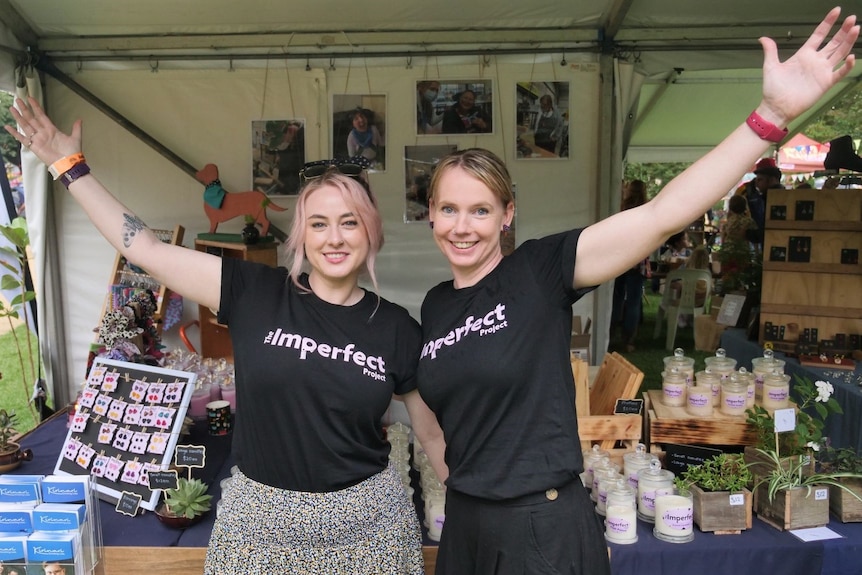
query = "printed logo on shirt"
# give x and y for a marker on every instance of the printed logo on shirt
(489, 324)
(372, 366)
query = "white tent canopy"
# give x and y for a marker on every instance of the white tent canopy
(652, 80)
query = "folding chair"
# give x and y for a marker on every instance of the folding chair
(672, 307)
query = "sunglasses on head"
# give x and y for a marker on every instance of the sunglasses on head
(352, 167)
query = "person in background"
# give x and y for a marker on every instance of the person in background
(495, 365)
(739, 227)
(317, 361)
(628, 287)
(464, 117)
(53, 568)
(767, 176)
(364, 139)
(426, 118)
(548, 125)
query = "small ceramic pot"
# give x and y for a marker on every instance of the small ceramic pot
(12, 457)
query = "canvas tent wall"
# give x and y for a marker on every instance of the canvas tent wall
(194, 75)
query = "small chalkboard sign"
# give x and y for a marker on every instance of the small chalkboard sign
(190, 456)
(163, 479)
(128, 503)
(679, 457)
(629, 406)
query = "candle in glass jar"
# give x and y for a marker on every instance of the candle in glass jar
(734, 395)
(674, 518)
(699, 402)
(761, 366)
(621, 514)
(683, 364)
(673, 387)
(652, 481)
(776, 391)
(720, 364)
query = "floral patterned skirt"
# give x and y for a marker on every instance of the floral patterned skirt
(369, 528)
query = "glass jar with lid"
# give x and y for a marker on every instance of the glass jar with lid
(734, 394)
(621, 514)
(673, 387)
(605, 478)
(746, 376)
(699, 400)
(685, 365)
(720, 364)
(604, 464)
(634, 461)
(591, 459)
(776, 391)
(652, 481)
(762, 366)
(709, 378)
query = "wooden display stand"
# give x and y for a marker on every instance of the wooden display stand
(215, 338)
(122, 275)
(665, 424)
(824, 227)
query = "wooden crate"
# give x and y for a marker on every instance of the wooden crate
(795, 508)
(821, 293)
(713, 511)
(665, 424)
(846, 507)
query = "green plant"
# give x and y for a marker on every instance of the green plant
(7, 428)
(189, 499)
(788, 473)
(14, 259)
(723, 472)
(844, 459)
(813, 398)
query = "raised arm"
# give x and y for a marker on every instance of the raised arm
(192, 274)
(611, 246)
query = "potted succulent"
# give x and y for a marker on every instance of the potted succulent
(721, 500)
(11, 454)
(186, 504)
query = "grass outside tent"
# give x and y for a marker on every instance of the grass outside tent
(13, 395)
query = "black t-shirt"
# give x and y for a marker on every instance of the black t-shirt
(313, 379)
(495, 368)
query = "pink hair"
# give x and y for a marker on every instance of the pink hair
(361, 203)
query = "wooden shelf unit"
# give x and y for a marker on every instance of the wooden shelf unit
(215, 338)
(822, 293)
(123, 275)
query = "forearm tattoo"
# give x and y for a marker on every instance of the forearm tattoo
(131, 226)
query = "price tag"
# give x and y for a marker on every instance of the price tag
(163, 479)
(821, 494)
(785, 420)
(190, 455)
(737, 499)
(128, 503)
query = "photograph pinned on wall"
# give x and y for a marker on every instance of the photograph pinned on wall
(542, 120)
(419, 165)
(277, 156)
(454, 107)
(359, 128)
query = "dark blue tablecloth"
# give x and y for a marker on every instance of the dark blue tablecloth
(843, 430)
(143, 530)
(758, 551)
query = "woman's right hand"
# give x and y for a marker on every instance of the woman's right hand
(40, 135)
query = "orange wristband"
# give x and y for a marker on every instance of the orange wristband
(63, 165)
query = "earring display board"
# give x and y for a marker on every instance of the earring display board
(126, 425)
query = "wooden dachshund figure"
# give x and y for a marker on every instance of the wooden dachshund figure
(221, 205)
